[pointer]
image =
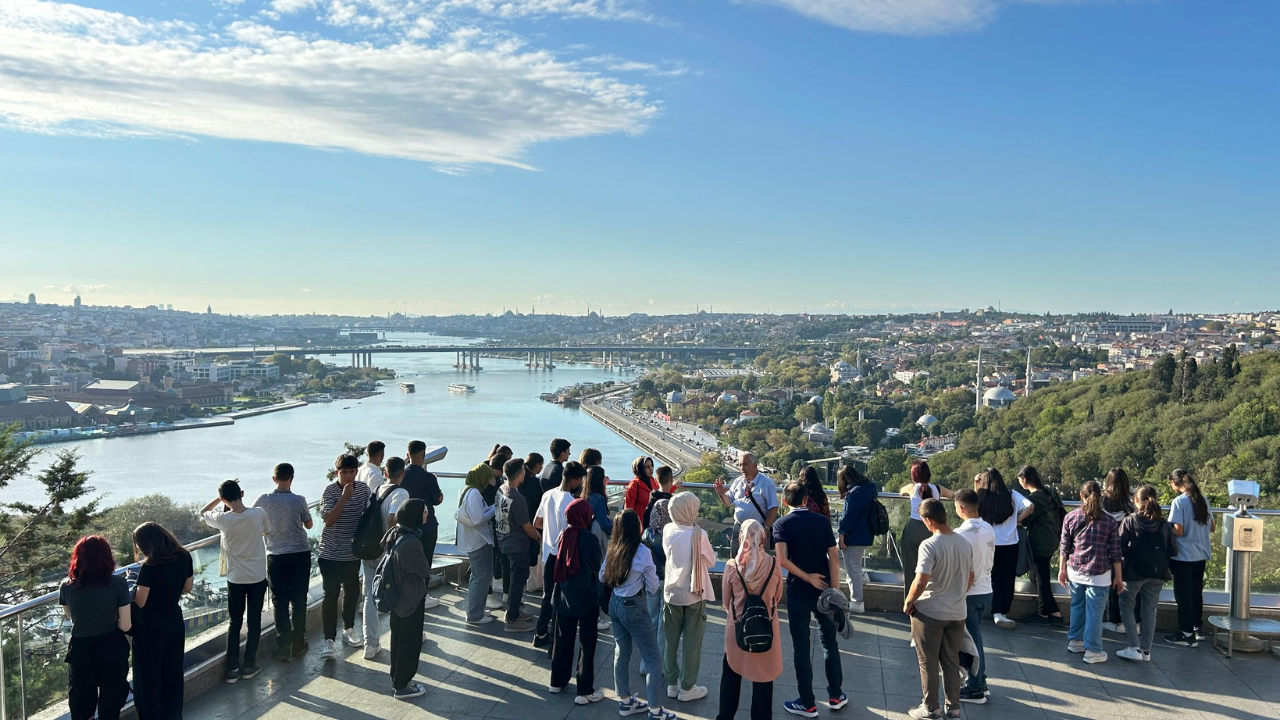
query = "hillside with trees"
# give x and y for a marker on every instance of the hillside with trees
(1220, 419)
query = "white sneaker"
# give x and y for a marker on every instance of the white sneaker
(1113, 627)
(328, 651)
(504, 599)
(351, 638)
(857, 607)
(492, 603)
(484, 620)
(697, 692)
(496, 585)
(1075, 646)
(1134, 654)
(602, 624)
(913, 643)
(1092, 657)
(429, 602)
(594, 697)
(1003, 621)
(371, 651)
(673, 691)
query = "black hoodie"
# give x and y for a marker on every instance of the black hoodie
(1147, 546)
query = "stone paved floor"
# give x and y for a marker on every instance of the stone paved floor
(491, 674)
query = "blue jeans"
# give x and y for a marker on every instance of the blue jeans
(631, 624)
(979, 606)
(1088, 603)
(481, 560)
(659, 627)
(801, 607)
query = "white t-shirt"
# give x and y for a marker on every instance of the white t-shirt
(391, 503)
(983, 539)
(243, 542)
(1007, 531)
(553, 510)
(1080, 578)
(917, 498)
(371, 475)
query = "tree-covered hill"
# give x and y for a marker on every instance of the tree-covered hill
(1220, 419)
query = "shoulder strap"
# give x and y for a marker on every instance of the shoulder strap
(752, 497)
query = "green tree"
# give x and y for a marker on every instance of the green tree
(1163, 372)
(889, 468)
(183, 520)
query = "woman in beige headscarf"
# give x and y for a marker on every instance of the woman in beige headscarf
(686, 590)
(757, 572)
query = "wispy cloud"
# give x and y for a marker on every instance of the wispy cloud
(906, 17)
(470, 96)
(79, 289)
(615, 64)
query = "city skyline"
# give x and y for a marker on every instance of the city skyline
(826, 156)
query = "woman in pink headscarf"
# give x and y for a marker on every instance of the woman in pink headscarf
(577, 602)
(754, 571)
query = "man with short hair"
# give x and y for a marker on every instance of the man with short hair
(392, 497)
(937, 607)
(341, 505)
(753, 496)
(551, 519)
(552, 473)
(288, 562)
(422, 485)
(243, 529)
(982, 538)
(371, 472)
(515, 536)
(806, 548)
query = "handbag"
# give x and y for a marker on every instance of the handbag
(1025, 561)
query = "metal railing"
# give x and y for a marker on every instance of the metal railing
(33, 633)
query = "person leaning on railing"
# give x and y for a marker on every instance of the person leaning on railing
(97, 601)
(159, 632)
(914, 532)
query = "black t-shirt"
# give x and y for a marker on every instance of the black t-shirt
(552, 474)
(808, 536)
(165, 581)
(422, 485)
(94, 608)
(531, 489)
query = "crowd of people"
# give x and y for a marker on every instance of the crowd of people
(544, 527)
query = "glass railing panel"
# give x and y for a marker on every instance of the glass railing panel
(33, 660)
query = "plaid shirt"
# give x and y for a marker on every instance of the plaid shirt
(1090, 548)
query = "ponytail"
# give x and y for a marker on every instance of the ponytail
(1148, 503)
(1091, 501)
(1186, 484)
(920, 475)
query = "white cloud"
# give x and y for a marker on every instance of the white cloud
(618, 65)
(472, 97)
(78, 289)
(905, 17)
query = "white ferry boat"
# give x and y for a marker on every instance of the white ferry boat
(462, 388)
(408, 387)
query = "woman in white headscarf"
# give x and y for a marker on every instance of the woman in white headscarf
(686, 590)
(757, 572)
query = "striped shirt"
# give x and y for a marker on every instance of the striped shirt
(335, 539)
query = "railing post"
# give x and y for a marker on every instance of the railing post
(22, 665)
(4, 690)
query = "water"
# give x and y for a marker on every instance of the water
(188, 465)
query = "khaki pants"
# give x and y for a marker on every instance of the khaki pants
(938, 642)
(688, 622)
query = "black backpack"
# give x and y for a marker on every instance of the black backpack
(754, 626)
(1148, 555)
(367, 542)
(386, 593)
(879, 518)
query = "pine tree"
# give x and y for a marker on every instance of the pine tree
(1163, 372)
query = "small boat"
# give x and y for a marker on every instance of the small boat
(408, 387)
(461, 388)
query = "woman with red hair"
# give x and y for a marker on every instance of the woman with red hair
(97, 601)
(914, 532)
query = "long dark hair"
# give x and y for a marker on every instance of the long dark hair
(157, 544)
(622, 547)
(91, 562)
(1186, 484)
(1091, 501)
(594, 483)
(1116, 496)
(1032, 476)
(1147, 501)
(813, 484)
(848, 478)
(995, 502)
(920, 475)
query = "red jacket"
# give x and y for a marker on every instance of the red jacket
(637, 494)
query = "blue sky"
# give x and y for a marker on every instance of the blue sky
(441, 156)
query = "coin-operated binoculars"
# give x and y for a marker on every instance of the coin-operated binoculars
(1242, 537)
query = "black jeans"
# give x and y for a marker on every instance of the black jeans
(547, 613)
(237, 596)
(406, 646)
(1042, 578)
(562, 650)
(1004, 570)
(158, 648)
(731, 689)
(801, 606)
(339, 576)
(517, 575)
(289, 575)
(1188, 591)
(99, 677)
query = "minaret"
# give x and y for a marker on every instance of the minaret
(977, 385)
(1026, 391)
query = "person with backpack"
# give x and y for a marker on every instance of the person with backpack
(378, 518)
(686, 592)
(857, 533)
(629, 576)
(1147, 543)
(475, 538)
(1091, 561)
(1192, 525)
(1044, 528)
(751, 588)
(402, 577)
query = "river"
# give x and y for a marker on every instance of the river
(187, 465)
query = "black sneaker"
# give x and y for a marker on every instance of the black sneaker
(248, 671)
(1182, 640)
(542, 641)
(232, 676)
(283, 654)
(303, 649)
(975, 696)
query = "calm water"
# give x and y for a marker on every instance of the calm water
(187, 465)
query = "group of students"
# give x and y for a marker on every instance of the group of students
(1116, 543)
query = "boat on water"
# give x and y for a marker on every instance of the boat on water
(408, 387)
(461, 388)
